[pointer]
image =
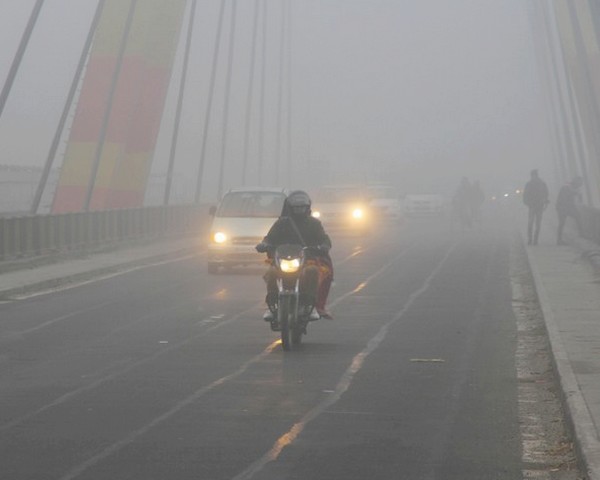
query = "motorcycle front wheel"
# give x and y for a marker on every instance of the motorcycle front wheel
(297, 326)
(283, 314)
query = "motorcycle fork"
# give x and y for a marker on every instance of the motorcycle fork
(293, 293)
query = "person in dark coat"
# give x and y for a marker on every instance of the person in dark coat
(535, 197)
(566, 206)
(296, 225)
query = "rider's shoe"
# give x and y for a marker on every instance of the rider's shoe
(268, 316)
(314, 315)
(325, 314)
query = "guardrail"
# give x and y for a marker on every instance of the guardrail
(32, 235)
(590, 220)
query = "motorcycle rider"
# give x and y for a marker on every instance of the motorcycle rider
(296, 226)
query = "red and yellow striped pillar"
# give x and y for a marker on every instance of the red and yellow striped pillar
(136, 110)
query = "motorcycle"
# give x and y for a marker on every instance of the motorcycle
(297, 283)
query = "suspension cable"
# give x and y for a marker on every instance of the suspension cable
(182, 83)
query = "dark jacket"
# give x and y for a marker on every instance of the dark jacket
(566, 202)
(535, 194)
(310, 229)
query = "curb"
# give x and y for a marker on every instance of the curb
(585, 435)
(94, 273)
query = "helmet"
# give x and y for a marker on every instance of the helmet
(298, 203)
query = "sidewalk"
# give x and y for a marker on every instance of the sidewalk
(569, 293)
(69, 271)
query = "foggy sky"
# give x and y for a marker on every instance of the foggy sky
(433, 89)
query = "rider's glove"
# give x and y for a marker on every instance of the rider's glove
(262, 247)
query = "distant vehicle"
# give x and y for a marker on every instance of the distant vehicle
(416, 205)
(342, 207)
(240, 221)
(384, 201)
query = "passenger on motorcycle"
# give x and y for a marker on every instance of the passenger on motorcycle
(297, 226)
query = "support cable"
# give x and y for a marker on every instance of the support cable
(68, 104)
(289, 95)
(280, 93)
(556, 46)
(542, 42)
(14, 68)
(263, 79)
(182, 83)
(211, 91)
(249, 93)
(591, 103)
(225, 126)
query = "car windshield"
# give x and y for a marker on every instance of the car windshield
(338, 195)
(382, 191)
(251, 204)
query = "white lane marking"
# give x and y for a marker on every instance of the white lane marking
(90, 462)
(54, 320)
(107, 276)
(365, 282)
(82, 311)
(68, 396)
(12, 335)
(534, 448)
(353, 254)
(70, 286)
(123, 442)
(343, 384)
(543, 453)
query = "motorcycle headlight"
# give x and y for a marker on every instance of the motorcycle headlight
(316, 214)
(219, 237)
(289, 266)
(357, 213)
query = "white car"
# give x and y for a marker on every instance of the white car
(384, 202)
(416, 205)
(240, 221)
(342, 208)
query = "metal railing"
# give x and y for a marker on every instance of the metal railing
(31, 235)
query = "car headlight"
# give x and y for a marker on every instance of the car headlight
(219, 237)
(289, 266)
(316, 214)
(357, 213)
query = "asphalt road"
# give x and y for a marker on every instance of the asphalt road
(170, 373)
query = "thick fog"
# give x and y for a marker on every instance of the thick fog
(416, 93)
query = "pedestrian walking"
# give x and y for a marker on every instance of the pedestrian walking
(566, 206)
(535, 197)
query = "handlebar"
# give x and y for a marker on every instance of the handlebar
(266, 248)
